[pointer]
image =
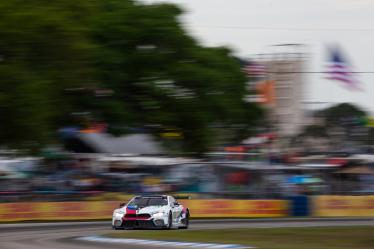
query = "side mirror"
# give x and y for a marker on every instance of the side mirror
(176, 204)
(122, 205)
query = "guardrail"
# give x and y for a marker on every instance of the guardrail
(337, 206)
(317, 206)
(94, 210)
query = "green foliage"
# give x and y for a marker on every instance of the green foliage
(342, 124)
(43, 52)
(339, 114)
(57, 54)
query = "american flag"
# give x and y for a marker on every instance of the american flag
(339, 69)
(252, 69)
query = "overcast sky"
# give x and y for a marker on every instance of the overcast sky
(253, 26)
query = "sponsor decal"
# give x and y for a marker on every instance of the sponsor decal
(89, 210)
(343, 205)
(104, 209)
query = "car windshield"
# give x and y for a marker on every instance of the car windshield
(148, 201)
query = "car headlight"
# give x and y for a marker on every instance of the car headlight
(158, 215)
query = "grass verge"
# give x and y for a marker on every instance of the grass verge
(354, 237)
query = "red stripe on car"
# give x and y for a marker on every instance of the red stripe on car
(130, 211)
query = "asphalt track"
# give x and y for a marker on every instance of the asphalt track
(63, 235)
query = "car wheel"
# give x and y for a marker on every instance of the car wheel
(186, 221)
(117, 225)
(116, 228)
(170, 221)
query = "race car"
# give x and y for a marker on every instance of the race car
(151, 212)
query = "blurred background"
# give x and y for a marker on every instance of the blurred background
(100, 100)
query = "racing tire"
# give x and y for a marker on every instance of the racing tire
(170, 222)
(115, 228)
(186, 221)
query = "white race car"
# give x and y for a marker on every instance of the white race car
(161, 211)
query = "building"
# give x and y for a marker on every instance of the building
(281, 90)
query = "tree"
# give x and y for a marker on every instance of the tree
(342, 114)
(43, 52)
(342, 124)
(58, 54)
(162, 76)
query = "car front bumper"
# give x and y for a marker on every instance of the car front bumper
(139, 223)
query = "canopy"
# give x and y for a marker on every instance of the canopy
(304, 179)
(135, 144)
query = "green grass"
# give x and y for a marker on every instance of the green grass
(355, 237)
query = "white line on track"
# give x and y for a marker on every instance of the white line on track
(163, 243)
